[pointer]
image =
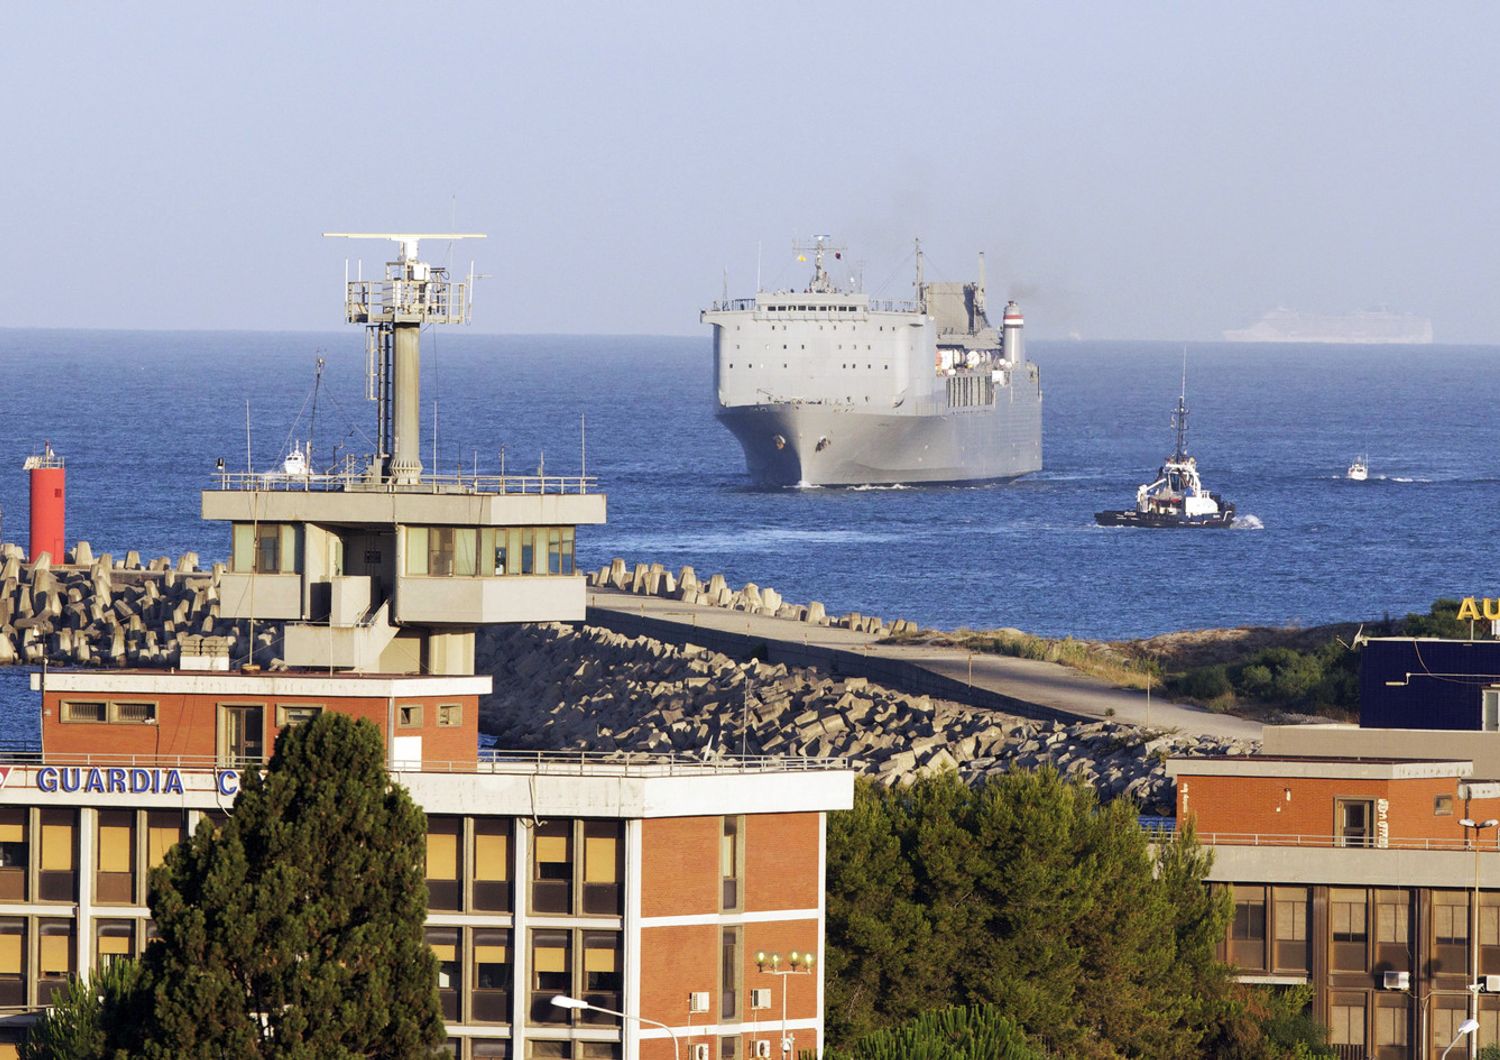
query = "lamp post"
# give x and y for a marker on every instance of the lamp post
(800, 964)
(563, 1001)
(1468, 1026)
(1472, 829)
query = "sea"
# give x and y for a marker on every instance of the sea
(141, 418)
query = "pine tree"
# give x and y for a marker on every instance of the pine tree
(87, 1016)
(296, 928)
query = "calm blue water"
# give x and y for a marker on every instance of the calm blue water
(141, 418)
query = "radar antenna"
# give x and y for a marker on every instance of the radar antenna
(819, 247)
(394, 310)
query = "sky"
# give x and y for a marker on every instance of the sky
(1142, 170)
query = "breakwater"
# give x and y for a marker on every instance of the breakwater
(102, 611)
(653, 579)
(588, 688)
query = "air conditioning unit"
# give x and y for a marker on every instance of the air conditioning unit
(760, 997)
(700, 1052)
(763, 1047)
(1402, 980)
(698, 1001)
(1490, 984)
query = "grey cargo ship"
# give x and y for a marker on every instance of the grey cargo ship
(827, 386)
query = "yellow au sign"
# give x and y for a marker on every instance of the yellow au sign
(1484, 609)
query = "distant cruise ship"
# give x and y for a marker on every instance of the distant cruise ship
(1370, 327)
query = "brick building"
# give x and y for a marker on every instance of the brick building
(1352, 871)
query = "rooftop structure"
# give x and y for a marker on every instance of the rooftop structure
(384, 567)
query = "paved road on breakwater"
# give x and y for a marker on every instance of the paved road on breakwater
(1018, 686)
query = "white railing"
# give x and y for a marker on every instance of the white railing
(574, 763)
(434, 301)
(1274, 839)
(361, 482)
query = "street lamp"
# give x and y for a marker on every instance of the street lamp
(1466, 1027)
(563, 1001)
(1470, 825)
(800, 964)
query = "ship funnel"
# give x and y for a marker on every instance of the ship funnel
(1013, 337)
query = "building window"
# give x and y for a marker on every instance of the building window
(133, 713)
(492, 891)
(1391, 1023)
(55, 957)
(1346, 1021)
(1346, 910)
(1445, 1024)
(444, 943)
(12, 962)
(114, 880)
(441, 551)
(486, 1048)
(1442, 806)
(549, 1050)
(84, 713)
(552, 868)
(492, 976)
(57, 880)
(164, 830)
(731, 862)
(1450, 930)
(264, 548)
(602, 865)
(1292, 952)
(1491, 718)
(450, 715)
(551, 974)
(1247, 932)
(1353, 819)
(409, 716)
(1392, 930)
(114, 940)
(444, 887)
(729, 1049)
(242, 734)
(14, 853)
(290, 715)
(729, 974)
(602, 973)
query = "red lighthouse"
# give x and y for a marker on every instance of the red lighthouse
(49, 490)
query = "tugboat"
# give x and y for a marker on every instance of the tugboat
(1358, 471)
(1177, 498)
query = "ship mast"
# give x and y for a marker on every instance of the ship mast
(820, 246)
(1180, 415)
(921, 283)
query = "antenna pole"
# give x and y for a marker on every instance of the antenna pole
(249, 465)
(757, 266)
(583, 444)
(921, 283)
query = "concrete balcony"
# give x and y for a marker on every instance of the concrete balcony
(483, 601)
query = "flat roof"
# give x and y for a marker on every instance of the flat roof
(277, 683)
(1310, 767)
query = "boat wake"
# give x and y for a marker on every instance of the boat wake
(870, 486)
(1247, 522)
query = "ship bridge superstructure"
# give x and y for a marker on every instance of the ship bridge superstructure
(379, 565)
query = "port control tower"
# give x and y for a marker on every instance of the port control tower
(384, 566)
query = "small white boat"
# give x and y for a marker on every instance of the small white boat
(1359, 470)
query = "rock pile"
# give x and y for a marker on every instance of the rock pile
(655, 580)
(99, 611)
(558, 688)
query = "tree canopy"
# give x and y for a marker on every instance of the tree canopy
(1025, 894)
(295, 928)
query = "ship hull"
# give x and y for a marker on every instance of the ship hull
(1156, 521)
(789, 444)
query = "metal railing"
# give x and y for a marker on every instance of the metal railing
(567, 763)
(362, 482)
(433, 301)
(1327, 842)
(874, 305)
